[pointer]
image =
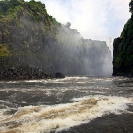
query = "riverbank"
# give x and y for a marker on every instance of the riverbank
(24, 72)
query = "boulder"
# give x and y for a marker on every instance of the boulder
(59, 75)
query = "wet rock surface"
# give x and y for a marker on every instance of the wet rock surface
(26, 72)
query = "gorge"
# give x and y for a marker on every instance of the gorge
(29, 36)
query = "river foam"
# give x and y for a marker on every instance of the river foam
(44, 118)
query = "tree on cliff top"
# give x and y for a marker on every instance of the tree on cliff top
(131, 6)
(68, 24)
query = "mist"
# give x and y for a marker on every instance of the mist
(96, 20)
(67, 52)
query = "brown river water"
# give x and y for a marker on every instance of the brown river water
(44, 106)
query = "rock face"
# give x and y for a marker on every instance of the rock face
(123, 51)
(28, 35)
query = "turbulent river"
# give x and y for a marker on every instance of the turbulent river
(43, 106)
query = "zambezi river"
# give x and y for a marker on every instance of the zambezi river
(65, 105)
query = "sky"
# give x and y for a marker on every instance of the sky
(94, 19)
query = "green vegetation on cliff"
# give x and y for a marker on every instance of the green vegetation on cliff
(28, 35)
(123, 49)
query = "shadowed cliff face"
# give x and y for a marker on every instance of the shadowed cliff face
(123, 51)
(123, 48)
(30, 36)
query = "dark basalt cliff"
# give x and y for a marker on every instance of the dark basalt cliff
(30, 37)
(123, 50)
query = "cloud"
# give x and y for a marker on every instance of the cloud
(94, 19)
